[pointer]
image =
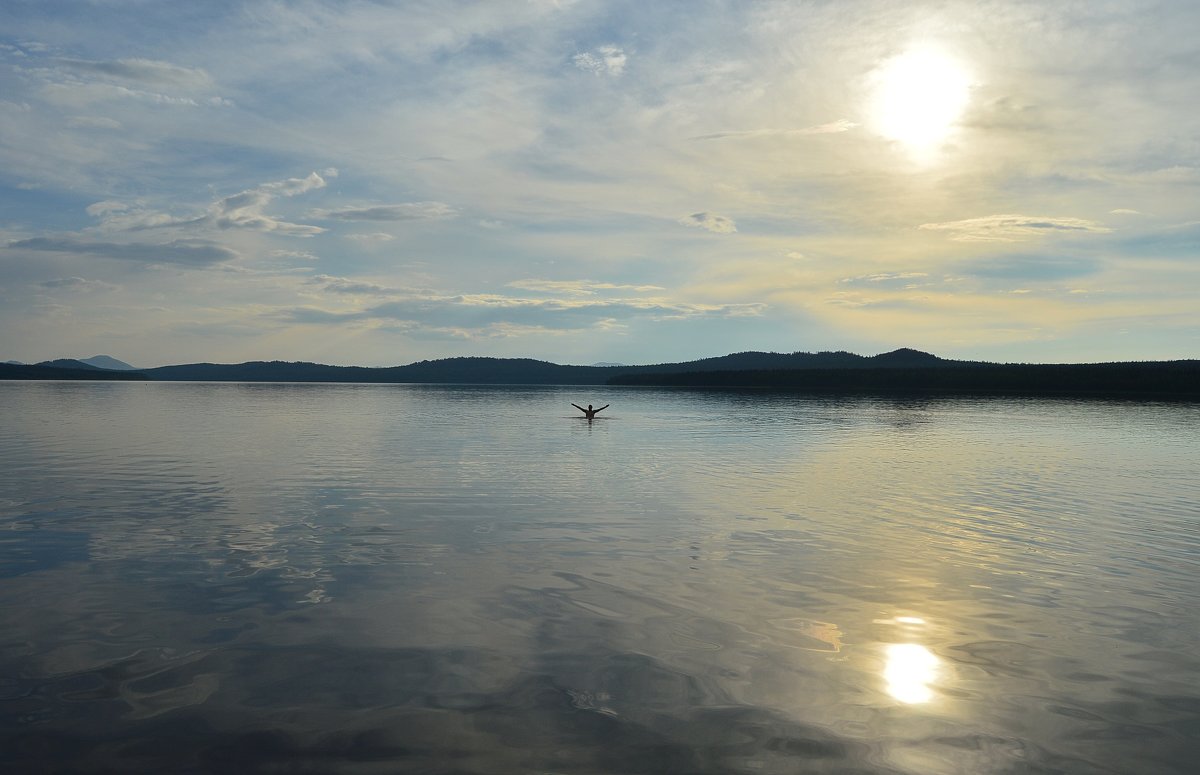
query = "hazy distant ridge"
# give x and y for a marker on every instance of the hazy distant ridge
(478, 370)
(108, 362)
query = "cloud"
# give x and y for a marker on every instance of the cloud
(85, 94)
(294, 186)
(376, 236)
(852, 300)
(301, 255)
(195, 253)
(578, 287)
(78, 284)
(81, 82)
(146, 71)
(103, 208)
(834, 127)
(129, 219)
(1011, 228)
(710, 221)
(93, 122)
(1030, 267)
(602, 60)
(889, 279)
(481, 313)
(244, 210)
(408, 211)
(343, 285)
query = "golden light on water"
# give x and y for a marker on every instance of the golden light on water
(918, 97)
(909, 670)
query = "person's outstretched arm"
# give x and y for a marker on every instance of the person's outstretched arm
(601, 409)
(580, 408)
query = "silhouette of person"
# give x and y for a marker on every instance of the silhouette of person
(590, 412)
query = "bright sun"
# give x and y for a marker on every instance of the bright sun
(918, 97)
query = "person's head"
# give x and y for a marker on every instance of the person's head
(589, 406)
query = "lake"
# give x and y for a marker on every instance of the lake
(245, 578)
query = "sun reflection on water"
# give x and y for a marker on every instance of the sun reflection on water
(909, 670)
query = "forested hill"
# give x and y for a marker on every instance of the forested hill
(897, 371)
(1152, 378)
(456, 370)
(528, 371)
(472, 370)
(83, 371)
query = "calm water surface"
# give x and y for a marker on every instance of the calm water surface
(397, 578)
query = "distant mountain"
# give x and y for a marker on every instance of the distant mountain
(107, 362)
(95, 362)
(606, 364)
(67, 363)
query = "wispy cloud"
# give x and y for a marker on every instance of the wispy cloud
(244, 210)
(1012, 228)
(407, 211)
(482, 312)
(100, 209)
(834, 127)
(148, 71)
(902, 279)
(300, 255)
(344, 285)
(718, 224)
(78, 284)
(195, 253)
(1030, 267)
(579, 287)
(84, 82)
(93, 122)
(602, 60)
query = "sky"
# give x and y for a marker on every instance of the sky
(378, 183)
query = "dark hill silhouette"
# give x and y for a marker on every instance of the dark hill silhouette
(903, 370)
(797, 360)
(908, 358)
(39, 371)
(67, 363)
(1164, 379)
(508, 371)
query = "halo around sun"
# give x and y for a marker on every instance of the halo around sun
(917, 98)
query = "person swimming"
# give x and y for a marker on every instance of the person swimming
(590, 413)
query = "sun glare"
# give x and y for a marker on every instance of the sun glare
(910, 669)
(918, 98)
